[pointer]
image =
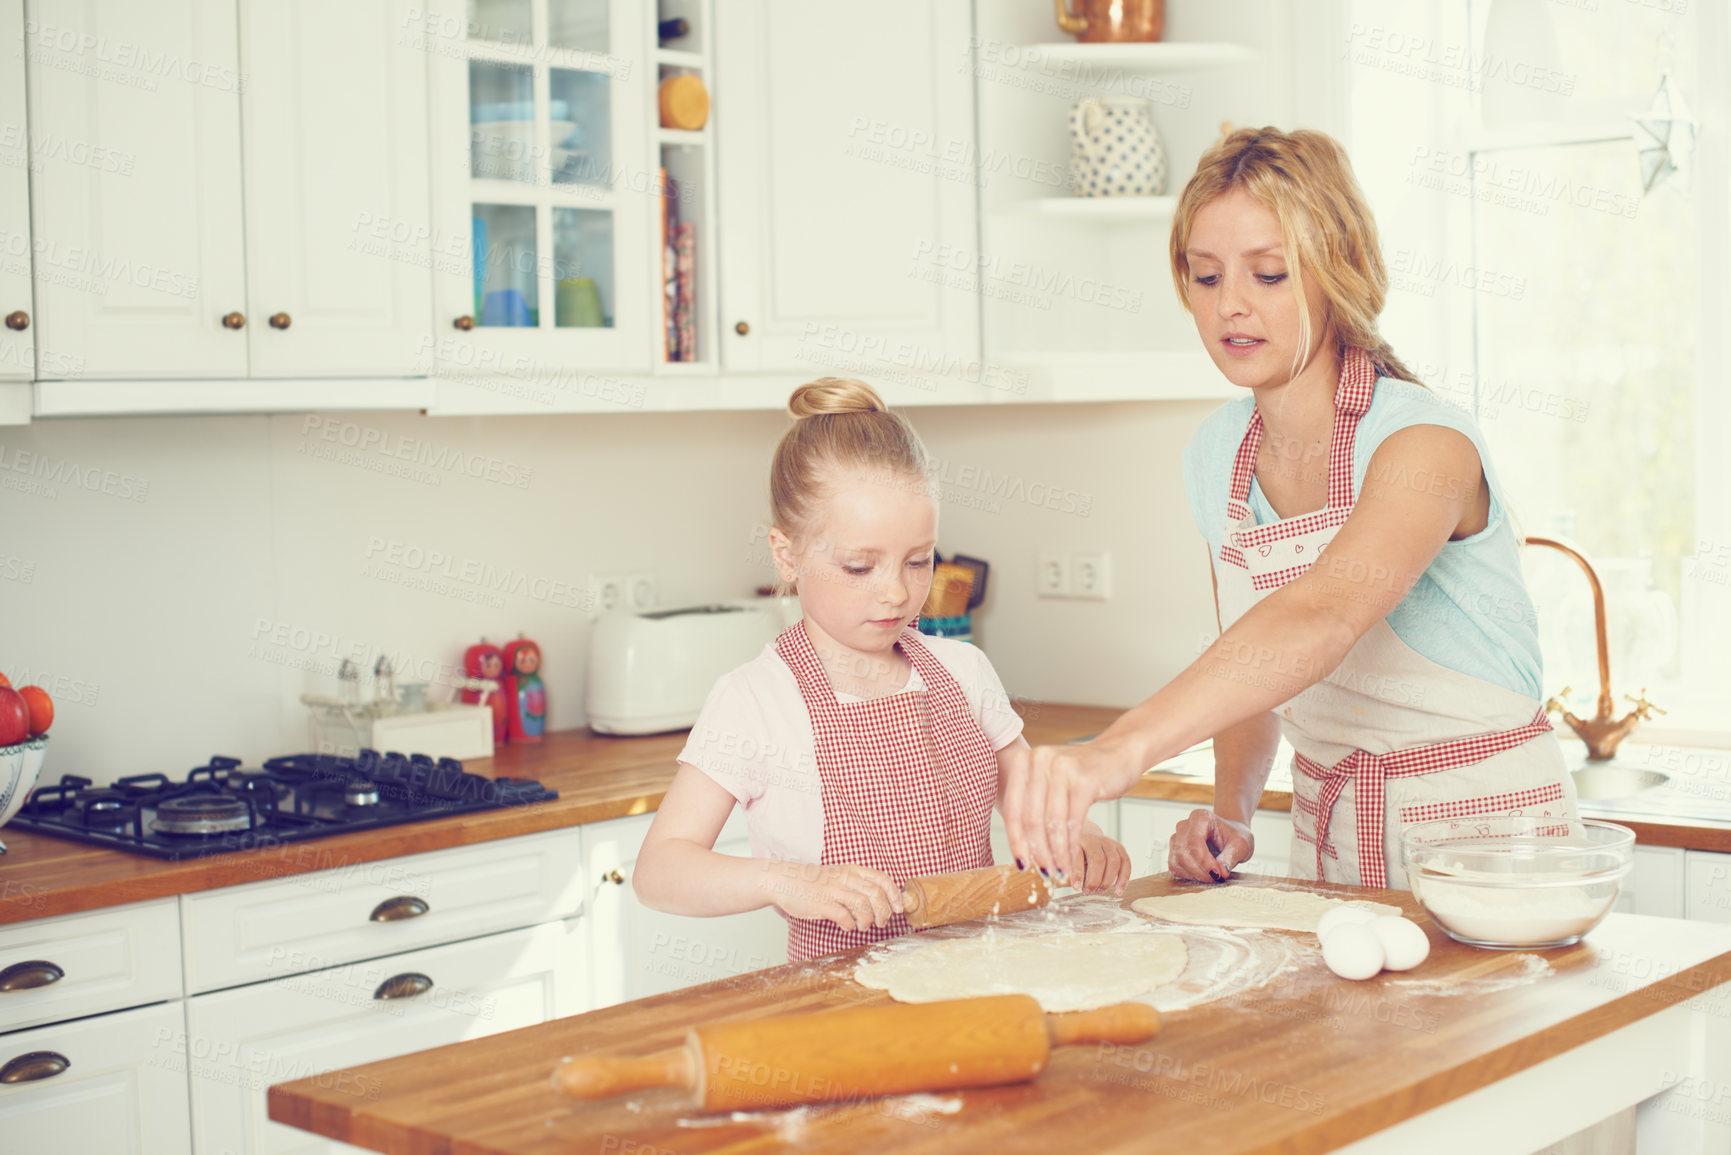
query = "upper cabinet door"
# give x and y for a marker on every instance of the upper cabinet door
(338, 224)
(844, 162)
(135, 130)
(544, 189)
(17, 348)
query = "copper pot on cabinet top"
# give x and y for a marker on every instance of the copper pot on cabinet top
(1112, 21)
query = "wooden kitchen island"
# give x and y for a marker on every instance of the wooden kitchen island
(1479, 1051)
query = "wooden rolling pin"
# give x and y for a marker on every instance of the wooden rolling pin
(940, 899)
(860, 1053)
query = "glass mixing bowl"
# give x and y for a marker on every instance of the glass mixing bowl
(1514, 882)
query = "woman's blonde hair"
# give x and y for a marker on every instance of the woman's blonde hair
(1306, 181)
(841, 425)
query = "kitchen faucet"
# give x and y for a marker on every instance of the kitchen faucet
(1602, 733)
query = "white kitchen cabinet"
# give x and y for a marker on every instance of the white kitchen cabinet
(136, 200)
(17, 339)
(1655, 883)
(636, 951)
(545, 194)
(1145, 828)
(74, 965)
(338, 218)
(845, 166)
(1707, 886)
(123, 1089)
(304, 922)
(237, 1043)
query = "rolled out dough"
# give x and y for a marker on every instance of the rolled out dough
(1066, 972)
(1253, 906)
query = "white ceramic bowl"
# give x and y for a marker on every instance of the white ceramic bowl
(20, 766)
(1514, 882)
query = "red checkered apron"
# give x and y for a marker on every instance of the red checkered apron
(908, 783)
(1390, 738)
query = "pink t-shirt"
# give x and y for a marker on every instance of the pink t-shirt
(754, 738)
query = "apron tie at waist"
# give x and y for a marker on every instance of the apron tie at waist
(1371, 771)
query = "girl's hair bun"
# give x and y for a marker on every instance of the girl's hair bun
(832, 395)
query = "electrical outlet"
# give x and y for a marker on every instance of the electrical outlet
(1091, 576)
(640, 591)
(608, 592)
(1052, 576)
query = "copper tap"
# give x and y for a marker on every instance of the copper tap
(1602, 733)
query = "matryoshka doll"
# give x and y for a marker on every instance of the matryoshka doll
(483, 660)
(525, 695)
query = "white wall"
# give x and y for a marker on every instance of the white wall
(178, 583)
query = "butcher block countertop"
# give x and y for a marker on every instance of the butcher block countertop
(597, 777)
(1305, 1063)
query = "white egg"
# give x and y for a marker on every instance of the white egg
(1352, 952)
(1404, 944)
(1347, 915)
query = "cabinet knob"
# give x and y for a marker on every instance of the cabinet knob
(28, 1068)
(18, 319)
(465, 323)
(23, 976)
(234, 320)
(404, 986)
(742, 328)
(397, 909)
(279, 320)
(613, 876)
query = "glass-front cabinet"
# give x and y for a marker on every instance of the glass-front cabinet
(544, 189)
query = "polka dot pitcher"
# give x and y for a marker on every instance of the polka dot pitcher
(1117, 150)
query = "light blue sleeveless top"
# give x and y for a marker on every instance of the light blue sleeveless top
(1469, 611)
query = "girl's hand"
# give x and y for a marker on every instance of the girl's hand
(852, 897)
(1105, 862)
(1206, 847)
(1047, 792)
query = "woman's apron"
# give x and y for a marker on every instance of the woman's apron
(1390, 738)
(908, 783)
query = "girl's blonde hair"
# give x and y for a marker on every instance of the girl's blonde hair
(841, 425)
(1306, 181)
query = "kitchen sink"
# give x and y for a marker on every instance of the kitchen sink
(1596, 783)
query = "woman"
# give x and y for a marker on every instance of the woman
(1366, 576)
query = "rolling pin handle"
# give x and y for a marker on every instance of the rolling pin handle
(1124, 1023)
(601, 1076)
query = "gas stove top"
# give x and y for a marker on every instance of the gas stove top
(221, 808)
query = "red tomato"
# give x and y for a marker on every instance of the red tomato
(41, 708)
(14, 717)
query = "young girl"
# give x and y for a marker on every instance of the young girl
(864, 754)
(1367, 574)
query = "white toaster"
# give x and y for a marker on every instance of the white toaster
(651, 672)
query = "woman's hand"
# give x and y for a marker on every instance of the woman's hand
(1206, 847)
(852, 897)
(1047, 792)
(1105, 862)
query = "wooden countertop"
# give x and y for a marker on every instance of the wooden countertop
(1304, 1064)
(597, 777)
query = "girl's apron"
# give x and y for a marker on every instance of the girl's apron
(1390, 738)
(908, 783)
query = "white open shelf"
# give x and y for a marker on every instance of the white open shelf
(679, 58)
(682, 137)
(1161, 56)
(1101, 209)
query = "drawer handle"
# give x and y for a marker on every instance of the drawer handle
(36, 1065)
(279, 320)
(25, 975)
(233, 320)
(18, 320)
(613, 876)
(404, 986)
(397, 909)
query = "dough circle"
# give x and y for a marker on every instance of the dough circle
(1065, 972)
(1252, 906)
